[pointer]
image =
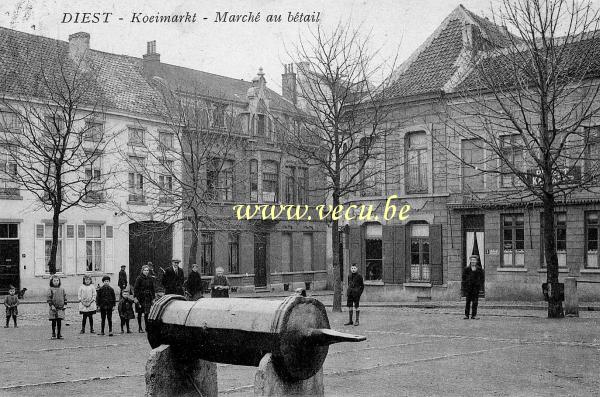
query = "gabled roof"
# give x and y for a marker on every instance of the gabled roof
(119, 80)
(434, 66)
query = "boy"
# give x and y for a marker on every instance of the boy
(11, 303)
(355, 290)
(105, 300)
(126, 310)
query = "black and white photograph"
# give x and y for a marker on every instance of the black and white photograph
(284, 198)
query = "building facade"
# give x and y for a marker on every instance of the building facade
(456, 212)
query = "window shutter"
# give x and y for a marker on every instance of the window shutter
(388, 254)
(80, 250)
(319, 251)
(356, 253)
(39, 249)
(69, 244)
(406, 253)
(399, 253)
(435, 246)
(109, 252)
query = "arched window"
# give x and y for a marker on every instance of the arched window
(270, 181)
(370, 175)
(420, 268)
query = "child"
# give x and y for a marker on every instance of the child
(106, 302)
(11, 303)
(219, 286)
(87, 303)
(57, 299)
(126, 309)
(355, 290)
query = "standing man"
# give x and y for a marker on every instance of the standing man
(355, 290)
(173, 279)
(122, 279)
(473, 281)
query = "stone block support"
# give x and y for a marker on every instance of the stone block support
(571, 298)
(268, 383)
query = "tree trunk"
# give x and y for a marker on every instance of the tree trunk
(335, 245)
(54, 249)
(193, 245)
(555, 308)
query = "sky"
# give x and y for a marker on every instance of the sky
(234, 49)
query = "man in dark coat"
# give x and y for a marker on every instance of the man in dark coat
(355, 290)
(472, 283)
(173, 279)
(122, 279)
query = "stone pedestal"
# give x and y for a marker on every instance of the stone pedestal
(571, 297)
(268, 383)
(167, 376)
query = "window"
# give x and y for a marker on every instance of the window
(53, 123)
(234, 253)
(8, 173)
(93, 248)
(218, 116)
(370, 178)
(302, 178)
(513, 240)
(219, 180)
(136, 136)
(165, 183)
(45, 232)
(290, 185)
(512, 153)
(307, 251)
(472, 165)
(165, 140)
(206, 250)
(93, 132)
(420, 269)
(560, 239)
(10, 122)
(226, 181)
(287, 263)
(260, 125)
(373, 251)
(417, 163)
(591, 239)
(253, 180)
(136, 179)
(9, 230)
(592, 150)
(270, 188)
(93, 174)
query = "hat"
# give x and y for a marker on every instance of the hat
(12, 287)
(123, 266)
(105, 278)
(175, 260)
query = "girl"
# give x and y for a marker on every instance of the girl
(144, 293)
(87, 303)
(57, 300)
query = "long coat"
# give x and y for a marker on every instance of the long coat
(106, 298)
(194, 285)
(172, 282)
(355, 285)
(57, 297)
(144, 292)
(87, 298)
(122, 279)
(472, 280)
(126, 309)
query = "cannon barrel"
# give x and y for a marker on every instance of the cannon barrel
(241, 331)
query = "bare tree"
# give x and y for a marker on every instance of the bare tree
(52, 131)
(188, 165)
(528, 102)
(341, 124)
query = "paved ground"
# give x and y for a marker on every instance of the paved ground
(409, 352)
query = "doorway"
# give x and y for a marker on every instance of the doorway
(474, 243)
(260, 260)
(9, 265)
(149, 242)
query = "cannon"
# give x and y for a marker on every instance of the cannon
(241, 331)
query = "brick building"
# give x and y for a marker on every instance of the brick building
(424, 257)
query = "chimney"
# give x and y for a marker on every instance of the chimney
(79, 44)
(288, 83)
(151, 60)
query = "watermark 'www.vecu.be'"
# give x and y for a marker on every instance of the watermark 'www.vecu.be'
(363, 212)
